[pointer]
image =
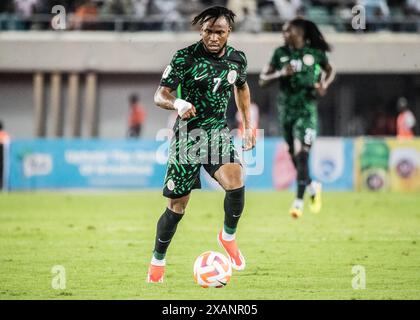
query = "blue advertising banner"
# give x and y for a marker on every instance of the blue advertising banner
(332, 163)
(51, 164)
(101, 164)
(269, 166)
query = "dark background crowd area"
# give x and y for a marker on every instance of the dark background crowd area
(175, 15)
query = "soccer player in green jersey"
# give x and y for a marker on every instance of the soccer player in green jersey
(301, 66)
(205, 72)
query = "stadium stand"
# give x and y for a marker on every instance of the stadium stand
(175, 15)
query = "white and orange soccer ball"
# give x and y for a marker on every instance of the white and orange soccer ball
(212, 269)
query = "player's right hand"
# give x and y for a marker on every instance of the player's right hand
(249, 139)
(185, 109)
(190, 113)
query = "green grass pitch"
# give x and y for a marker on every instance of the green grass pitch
(104, 242)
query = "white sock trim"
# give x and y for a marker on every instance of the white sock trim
(157, 262)
(312, 188)
(298, 204)
(227, 236)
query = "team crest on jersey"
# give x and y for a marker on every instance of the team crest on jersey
(308, 59)
(231, 77)
(167, 72)
(170, 185)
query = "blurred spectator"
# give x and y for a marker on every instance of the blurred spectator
(117, 7)
(111, 8)
(4, 141)
(137, 117)
(170, 16)
(140, 8)
(288, 9)
(189, 9)
(85, 15)
(384, 124)
(344, 12)
(249, 22)
(405, 120)
(237, 7)
(266, 9)
(413, 7)
(377, 8)
(377, 14)
(356, 126)
(25, 8)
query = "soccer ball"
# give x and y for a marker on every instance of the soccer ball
(212, 269)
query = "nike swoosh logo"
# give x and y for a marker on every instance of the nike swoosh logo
(236, 216)
(201, 77)
(163, 241)
(222, 283)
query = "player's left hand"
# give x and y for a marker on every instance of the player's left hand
(249, 139)
(321, 89)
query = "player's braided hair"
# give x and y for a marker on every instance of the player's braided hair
(311, 34)
(214, 13)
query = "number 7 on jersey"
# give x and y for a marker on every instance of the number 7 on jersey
(217, 82)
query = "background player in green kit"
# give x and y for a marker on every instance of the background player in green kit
(303, 71)
(205, 72)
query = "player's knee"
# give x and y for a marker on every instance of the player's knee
(230, 176)
(300, 147)
(233, 183)
(178, 205)
(297, 147)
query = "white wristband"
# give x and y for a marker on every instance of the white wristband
(182, 106)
